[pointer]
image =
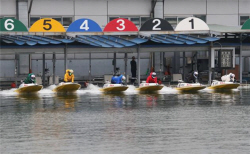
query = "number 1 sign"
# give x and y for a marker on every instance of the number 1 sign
(191, 24)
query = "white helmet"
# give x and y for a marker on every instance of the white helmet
(123, 78)
(33, 77)
(153, 75)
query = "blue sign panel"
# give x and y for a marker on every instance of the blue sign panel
(84, 25)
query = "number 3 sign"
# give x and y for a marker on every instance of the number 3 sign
(120, 25)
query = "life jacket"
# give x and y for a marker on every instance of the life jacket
(116, 79)
(150, 79)
(67, 77)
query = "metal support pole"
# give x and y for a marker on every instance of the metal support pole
(43, 69)
(16, 65)
(210, 62)
(114, 63)
(183, 65)
(65, 57)
(161, 65)
(138, 65)
(126, 71)
(241, 68)
(89, 66)
(54, 68)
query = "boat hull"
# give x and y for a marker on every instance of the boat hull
(191, 88)
(114, 89)
(29, 89)
(225, 86)
(67, 87)
(149, 87)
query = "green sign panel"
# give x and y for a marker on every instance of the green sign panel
(12, 25)
(246, 25)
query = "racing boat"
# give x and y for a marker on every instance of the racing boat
(189, 86)
(221, 85)
(149, 87)
(108, 87)
(65, 87)
(29, 88)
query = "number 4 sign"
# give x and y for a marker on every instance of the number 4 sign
(84, 25)
(191, 24)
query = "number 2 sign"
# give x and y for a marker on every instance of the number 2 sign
(120, 25)
(156, 24)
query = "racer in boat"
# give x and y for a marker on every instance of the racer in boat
(228, 78)
(31, 78)
(152, 78)
(69, 76)
(193, 78)
(118, 79)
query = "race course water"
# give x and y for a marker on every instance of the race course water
(91, 122)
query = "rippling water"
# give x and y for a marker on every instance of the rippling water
(128, 123)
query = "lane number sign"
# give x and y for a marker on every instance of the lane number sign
(191, 23)
(47, 25)
(120, 25)
(84, 25)
(12, 25)
(156, 24)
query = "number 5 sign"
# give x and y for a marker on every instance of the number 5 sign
(12, 25)
(120, 25)
(190, 24)
(47, 25)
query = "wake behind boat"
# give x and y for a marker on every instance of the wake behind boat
(149, 87)
(189, 86)
(109, 87)
(65, 87)
(29, 88)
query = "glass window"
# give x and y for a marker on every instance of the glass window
(180, 19)
(112, 18)
(59, 19)
(135, 20)
(243, 19)
(33, 20)
(67, 21)
(172, 20)
(144, 19)
(202, 17)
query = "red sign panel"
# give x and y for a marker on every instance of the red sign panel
(120, 25)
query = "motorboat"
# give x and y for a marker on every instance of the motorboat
(109, 87)
(65, 87)
(149, 87)
(29, 88)
(182, 86)
(222, 85)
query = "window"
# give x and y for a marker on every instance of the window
(202, 17)
(172, 21)
(1, 17)
(33, 20)
(138, 21)
(243, 19)
(65, 21)
(144, 19)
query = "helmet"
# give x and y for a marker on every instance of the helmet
(123, 78)
(32, 77)
(195, 74)
(232, 75)
(71, 72)
(153, 75)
